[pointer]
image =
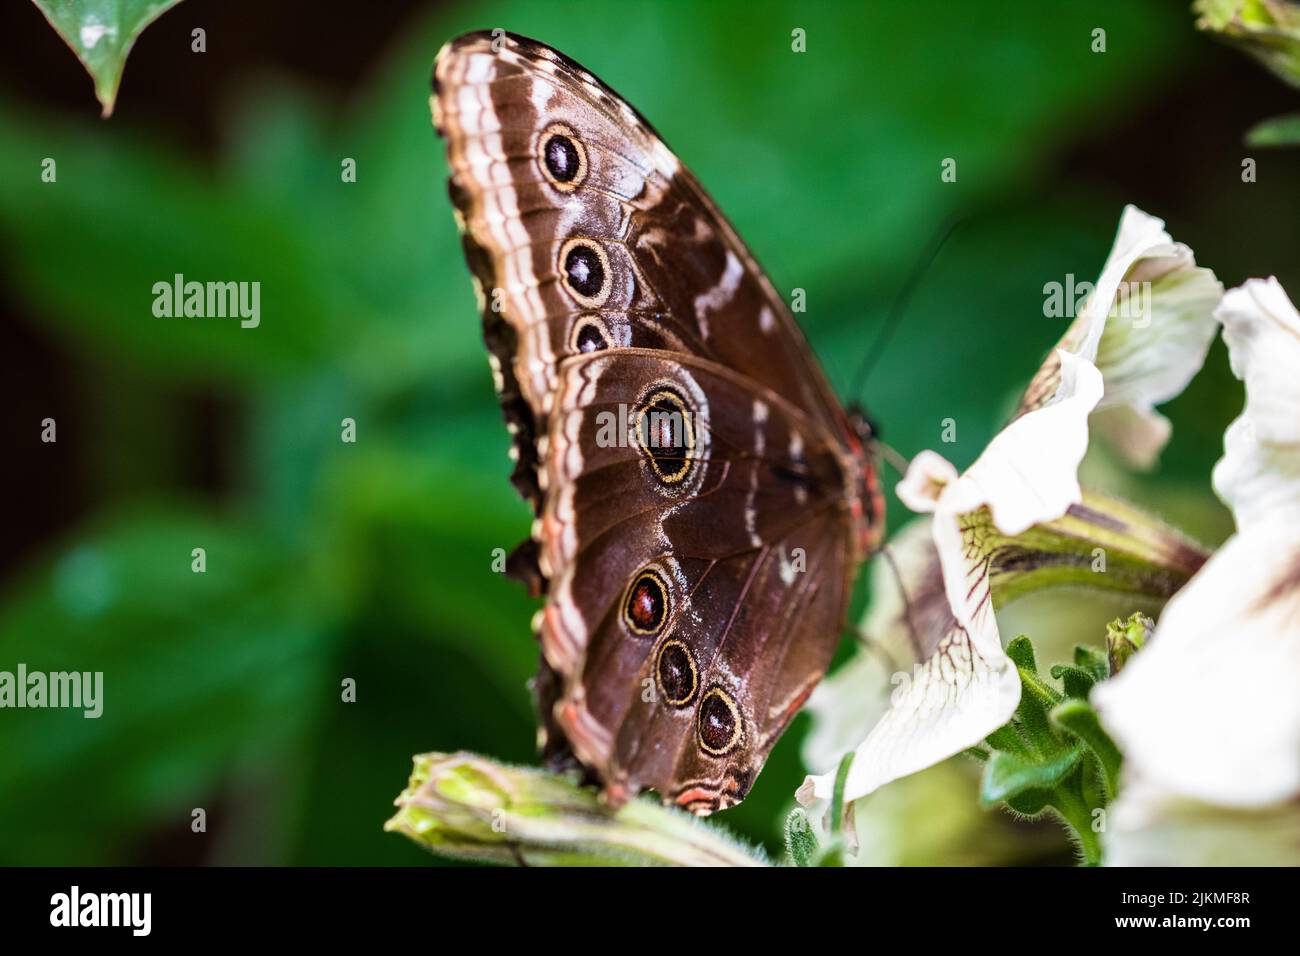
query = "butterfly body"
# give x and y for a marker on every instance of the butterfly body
(702, 501)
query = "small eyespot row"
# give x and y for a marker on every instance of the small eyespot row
(562, 157)
(645, 608)
(584, 269)
(676, 673)
(718, 723)
(590, 334)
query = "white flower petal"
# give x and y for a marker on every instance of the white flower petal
(1209, 709)
(1153, 344)
(1147, 327)
(927, 476)
(1258, 480)
(1139, 235)
(951, 703)
(1029, 472)
(1262, 330)
(1146, 826)
(844, 707)
(1259, 474)
(965, 688)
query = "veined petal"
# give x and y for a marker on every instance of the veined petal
(962, 687)
(953, 701)
(1147, 327)
(1259, 474)
(1208, 710)
(1028, 474)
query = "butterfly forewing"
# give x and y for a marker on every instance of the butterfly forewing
(701, 500)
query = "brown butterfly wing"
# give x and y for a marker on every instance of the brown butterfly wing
(609, 282)
(739, 538)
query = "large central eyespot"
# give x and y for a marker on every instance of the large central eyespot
(718, 723)
(584, 267)
(646, 606)
(563, 157)
(675, 673)
(665, 432)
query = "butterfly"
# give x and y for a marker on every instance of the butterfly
(702, 502)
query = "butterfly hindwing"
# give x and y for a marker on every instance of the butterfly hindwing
(679, 571)
(610, 285)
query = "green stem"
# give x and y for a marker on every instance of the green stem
(1077, 814)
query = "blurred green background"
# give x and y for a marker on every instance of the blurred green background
(372, 560)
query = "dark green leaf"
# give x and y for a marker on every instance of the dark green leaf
(206, 677)
(101, 33)
(1278, 131)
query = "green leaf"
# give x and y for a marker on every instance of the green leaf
(131, 215)
(1008, 738)
(837, 798)
(1077, 681)
(1036, 699)
(1006, 775)
(1080, 719)
(1278, 131)
(1093, 660)
(101, 33)
(1021, 650)
(1030, 802)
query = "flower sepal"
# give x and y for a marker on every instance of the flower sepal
(470, 807)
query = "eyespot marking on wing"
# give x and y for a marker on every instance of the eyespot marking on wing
(584, 267)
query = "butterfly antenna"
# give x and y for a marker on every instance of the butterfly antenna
(896, 459)
(888, 555)
(878, 646)
(905, 293)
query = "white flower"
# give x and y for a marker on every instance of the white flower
(1139, 338)
(1148, 826)
(1208, 715)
